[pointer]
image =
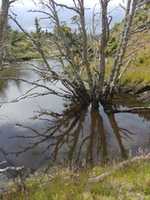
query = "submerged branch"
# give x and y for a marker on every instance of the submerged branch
(15, 169)
(133, 110)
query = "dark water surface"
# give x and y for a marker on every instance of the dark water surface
(48, 129)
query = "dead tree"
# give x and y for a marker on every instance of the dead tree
(4, 11)
(118, 61)
(103, 42)
(86, 85)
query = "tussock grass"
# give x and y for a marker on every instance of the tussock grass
(129, 183)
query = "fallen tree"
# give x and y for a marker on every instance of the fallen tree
(118, 167)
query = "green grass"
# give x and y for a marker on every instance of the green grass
(130, 183)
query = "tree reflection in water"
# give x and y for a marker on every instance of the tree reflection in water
(7, 74)
(78, 136)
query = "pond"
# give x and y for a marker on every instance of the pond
(45, 129)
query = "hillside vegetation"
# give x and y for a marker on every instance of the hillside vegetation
(138, 71)
(21, 47)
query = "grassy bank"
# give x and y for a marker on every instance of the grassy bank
(128, 183)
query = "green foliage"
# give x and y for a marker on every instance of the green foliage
(112, 46)
(21, 48)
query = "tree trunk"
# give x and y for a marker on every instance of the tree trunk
(3, 28)
(103, 44)
(118, 61)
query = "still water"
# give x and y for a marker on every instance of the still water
(47, 129)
